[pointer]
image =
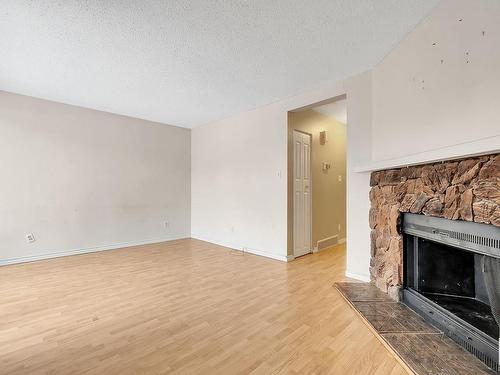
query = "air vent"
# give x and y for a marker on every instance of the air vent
(488, 360)
(475, 239)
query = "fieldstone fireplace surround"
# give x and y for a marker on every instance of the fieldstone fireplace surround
(467, 189)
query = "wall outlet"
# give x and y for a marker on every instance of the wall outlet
(338, 228)
(30, 238)
(340, 178)
(232, 229)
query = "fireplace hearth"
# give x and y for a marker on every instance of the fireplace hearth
(452, 279)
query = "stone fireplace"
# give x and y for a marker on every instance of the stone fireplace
(467, 190)
(435, 244)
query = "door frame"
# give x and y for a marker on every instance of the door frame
(310, 194)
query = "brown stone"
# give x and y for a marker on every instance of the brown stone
(452, 195)
(466, 171)
(444, 178)
(400, 190)
(391, 177)
(394, 220)
(450, 169)
(430, 178)
(372, 218)
(491, 169)
(412, 172)
(388, 193)
(495, 217)
(410, 186)
(375, 196)
(433, 207)
(483, 210)
(384, 239)
(396, 246)
(488, 189)
(407, 202)
(382, 215)
(465, 206)
(419, 203)
(450, 211)
(375, 178)
(373, 243)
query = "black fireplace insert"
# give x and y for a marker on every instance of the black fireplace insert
(452, 279)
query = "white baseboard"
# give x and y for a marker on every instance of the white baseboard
(342, 240)
(358, 277)
(236, 247)
(49, 255)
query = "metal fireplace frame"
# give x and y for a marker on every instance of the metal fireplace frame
(474, 237)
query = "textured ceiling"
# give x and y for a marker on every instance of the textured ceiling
(187, 63)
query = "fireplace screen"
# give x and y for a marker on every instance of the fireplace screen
(491, 271)
(452, 278)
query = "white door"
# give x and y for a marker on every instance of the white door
(302, 210)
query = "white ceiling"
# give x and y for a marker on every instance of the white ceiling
(187, 63)
(337, 110)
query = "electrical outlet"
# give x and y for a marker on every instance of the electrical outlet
(340, 178)
(338, 228)
(232, 229)
(30, 238)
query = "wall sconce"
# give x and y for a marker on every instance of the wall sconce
(323, 138)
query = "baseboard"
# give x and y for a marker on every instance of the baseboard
(237, 247)
(358, 277)
(318, 248)
(327, 242)
(58, 254)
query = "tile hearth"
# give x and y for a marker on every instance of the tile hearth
(423, 348)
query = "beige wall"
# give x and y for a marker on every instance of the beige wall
(83, 180)
(328, 194)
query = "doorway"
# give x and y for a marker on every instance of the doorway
(317, 177)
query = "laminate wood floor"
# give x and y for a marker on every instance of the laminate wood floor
(183, 307)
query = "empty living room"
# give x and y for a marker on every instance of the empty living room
(249, 187)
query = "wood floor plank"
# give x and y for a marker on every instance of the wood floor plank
(183, 307)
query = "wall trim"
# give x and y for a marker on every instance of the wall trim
(355, 276)
(235, 247)
(327, 242)
(86, 250)
(339, 242)
(478, 147)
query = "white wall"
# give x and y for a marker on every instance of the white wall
(239, 168)
(437, 94)
(82, 180)
(238, 176)
(359, 117)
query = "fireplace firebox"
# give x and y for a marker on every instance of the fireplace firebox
(452, 279)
